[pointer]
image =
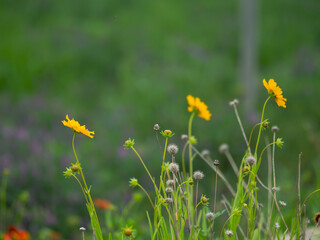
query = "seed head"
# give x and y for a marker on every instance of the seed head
(127, 232)
(82, 229)
(169, 190)
(168, 200)
(276, 189)
(229, 233)
(216, 163)
(210, 215)
(235, 102)
(170, 182)
(190, 181)
(156, 127)
(204, 200)
(133, 182)
(205, 153)
(174, 167)
(265, 123)
(282, 204)
(172, 149)
(184, 137)
(198, 175)
(251, 160)
(224, 148)
(274, 129)
(276, 225)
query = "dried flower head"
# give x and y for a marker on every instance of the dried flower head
(205, 153)
(224, 148)
(82, 229)
(76, 127)
(276, 225)
(184, 137)
(198, 175)
(216, 162)
(234, 102)
(276, 189)
(172, 149)
(282, 204)
(274, 129)
(156, 127)
(129, 143)
(275, 92)
(174, 167)
(169, 190)
(317, 218)
(199, 107)
(168, 200)
(170, 182)
(210, 215)
(229, 233)
(251, 160)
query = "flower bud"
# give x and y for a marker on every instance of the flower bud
(224, 148)
(156, 127)
(127, 232)
(279, 142)
(251, 160)
(129, 143)
(216, 163)
(193, 140)
(274, 129)
(133, 182)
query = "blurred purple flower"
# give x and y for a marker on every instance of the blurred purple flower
(121, 152)
(22, 134)
(36, 147)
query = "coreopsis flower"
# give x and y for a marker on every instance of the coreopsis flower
(275, 92)
(16, 234)
(199, 107)
(102, 204)
(76, 127)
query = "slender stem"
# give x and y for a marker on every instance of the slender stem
(84, 193)
(251, 135)
(194, 214)
(74, 150)
(215, 197)
(264, 107)
(241, 127)
(225, 224)
(298, 191)
(146, 194)
(307, 199)
(273, 164)
(183, 160)
(190, 145)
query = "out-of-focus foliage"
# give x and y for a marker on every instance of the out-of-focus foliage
(121, 66)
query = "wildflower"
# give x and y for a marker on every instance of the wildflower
(317, 218)
(205, 153)
(235, 102)
(167, 133)
(169, 190)
(282, 204)
(251, 160)
(102, 204)
(168, 200)
(198, 175)
(170, 182)
(277, 225)
(174, 167)
(210, 215)
(172, 149)
(229, 233)
(156, 127)
(216, 163)
(184, 137)
(199, 107)
(224, 148)
(76, 127)
(279, 142)
(274, 129)
(16, 234)
(193, 140)
(129, 143)
(204, 200)
(275, 92)
(133, 182)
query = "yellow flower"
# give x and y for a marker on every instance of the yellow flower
(195, 105)
(275, 92)
(75, 125)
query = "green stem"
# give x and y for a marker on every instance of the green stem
(264, 107)
(183, 160)
(146, 194)
(307, 199)
(190, 145)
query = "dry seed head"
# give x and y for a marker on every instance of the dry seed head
(275, 129)
(170, 182)
(184, 137)
(156, 127)
(204, 200)
(168, 200)
(198, 175)
(210, 215)
(205, 153)
(169, 190)
(235, 102)
(282, 204)
(174, 167)
(251, 160)
(229, 233)
(277, 225)
(276, 189)
(224, 148)
(127, 232)
(82, 229)
(172, 149)
(317, 218)
(216, 163)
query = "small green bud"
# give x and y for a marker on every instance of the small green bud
(245, 205)
(236, 212)
(279, 142)
(265, 123)
(68, 173)
(204, 200)
(129, 143)
(193, 140)
(133, 182)
(190, 181)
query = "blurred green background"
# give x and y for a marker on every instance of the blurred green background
(120, 67)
